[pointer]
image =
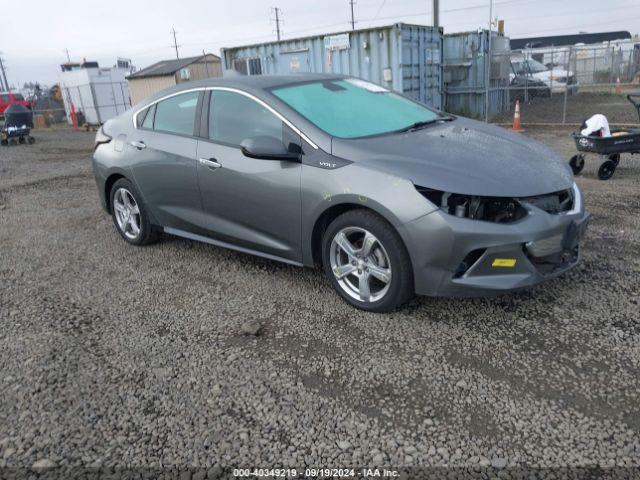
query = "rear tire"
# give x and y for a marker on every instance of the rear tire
(366, 261)
(606, 170)
(577, 163)
(130, 215)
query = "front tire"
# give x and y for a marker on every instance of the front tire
(366, 261)
(577, 163)
(130, 215)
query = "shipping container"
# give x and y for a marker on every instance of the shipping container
(405, 58)
(465, 73)
(99, 93)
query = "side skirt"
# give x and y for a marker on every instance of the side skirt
(230, 246)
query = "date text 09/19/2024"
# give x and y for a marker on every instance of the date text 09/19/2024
(315, 473)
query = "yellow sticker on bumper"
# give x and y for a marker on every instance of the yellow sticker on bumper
(504, 262)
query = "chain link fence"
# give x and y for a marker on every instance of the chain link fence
(49, 117)
(566, 85)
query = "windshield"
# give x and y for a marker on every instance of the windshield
(536, 67)
(533, 66)
(352, 108)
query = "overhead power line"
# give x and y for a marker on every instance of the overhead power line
(377, 13)
(318, 29)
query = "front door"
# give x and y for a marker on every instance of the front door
(251, 203)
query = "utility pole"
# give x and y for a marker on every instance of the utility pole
(353, 21)
(4, 76)
(436, 13)
(488, 63)
(277, 12)
(175, 42)
(206, 67)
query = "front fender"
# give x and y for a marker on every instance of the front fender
(394, 198)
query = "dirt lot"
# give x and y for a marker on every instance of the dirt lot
(121, 358)
(579, 107)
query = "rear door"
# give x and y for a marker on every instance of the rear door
(249, 202)
(163, 148)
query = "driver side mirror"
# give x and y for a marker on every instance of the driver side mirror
(267, 148)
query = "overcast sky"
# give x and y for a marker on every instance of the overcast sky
(33, 43)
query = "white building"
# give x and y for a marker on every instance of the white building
(99, 93)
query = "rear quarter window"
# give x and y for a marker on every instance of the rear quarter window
(177, 114)
(140, 117)
(148, 119)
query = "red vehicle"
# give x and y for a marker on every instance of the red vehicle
(10, 98)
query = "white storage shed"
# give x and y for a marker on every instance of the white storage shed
(99, 93)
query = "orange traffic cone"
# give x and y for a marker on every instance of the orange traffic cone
(618, 87)
(517, 126)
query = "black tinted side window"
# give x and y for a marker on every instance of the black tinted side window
(234, 117)
(177, 114)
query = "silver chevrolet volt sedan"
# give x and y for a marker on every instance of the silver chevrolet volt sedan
(390, 197)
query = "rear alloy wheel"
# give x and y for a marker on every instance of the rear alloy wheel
(366, 262)
(605, 172)
(577, 163)
(129, 214)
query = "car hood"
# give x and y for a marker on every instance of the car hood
(463, 156)
(556, 73)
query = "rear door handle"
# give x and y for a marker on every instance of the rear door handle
(139, 145)
(209, 162)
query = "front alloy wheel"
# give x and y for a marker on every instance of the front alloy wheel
(367, 262)
(360, 264)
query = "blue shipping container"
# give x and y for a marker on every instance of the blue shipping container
(405, 58)
(465, 73)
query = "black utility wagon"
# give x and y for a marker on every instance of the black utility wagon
(609, 148)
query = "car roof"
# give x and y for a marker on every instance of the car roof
(261, 81)
(256, 84)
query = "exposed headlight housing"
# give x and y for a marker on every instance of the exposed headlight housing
(502, 209)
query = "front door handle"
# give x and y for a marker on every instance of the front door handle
(209, 162)
(139, 145)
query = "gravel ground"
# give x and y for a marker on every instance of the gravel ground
(579, 107)
(116, 358)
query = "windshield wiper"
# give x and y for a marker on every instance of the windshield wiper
(417, 125)
(424, 123)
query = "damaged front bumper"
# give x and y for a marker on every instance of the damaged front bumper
(454, 256)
